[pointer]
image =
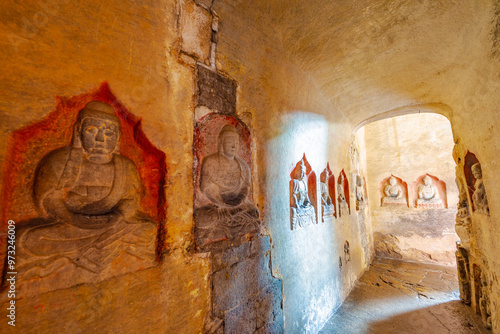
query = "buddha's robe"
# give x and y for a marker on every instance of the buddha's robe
(303, 213)
(91, 215)
(226, 183)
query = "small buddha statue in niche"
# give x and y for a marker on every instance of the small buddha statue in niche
(479, 196)
(326, 200)
(427, 193)
(393, 193)
(360, 192)
(303, 212)
(225, 181)
(343, 207)
(88, 195)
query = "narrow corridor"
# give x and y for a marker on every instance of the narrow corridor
(396, 296)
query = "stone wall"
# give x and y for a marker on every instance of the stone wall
(291, 119)
(408, 147)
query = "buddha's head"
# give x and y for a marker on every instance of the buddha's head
(303, 169)
(359, 181)
(476, 170)
(97, 132)
(228, 141)
(427, 180)
(392, 181)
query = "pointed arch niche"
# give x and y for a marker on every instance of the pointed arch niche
(303, 198)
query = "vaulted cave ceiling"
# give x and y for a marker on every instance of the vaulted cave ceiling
(371, 57)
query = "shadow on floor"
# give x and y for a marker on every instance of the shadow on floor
(403, 297)
(445, 318)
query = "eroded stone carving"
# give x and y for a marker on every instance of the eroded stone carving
(360, 193)
(463, 221)
(327, 204)
(462, 205)
(428, 194)
(463, 274)
(479, 196)
(88, 197)
(303, 212)
(484, 302)
(347, 252)
(393, 193)
(343, 205)
(225, 181)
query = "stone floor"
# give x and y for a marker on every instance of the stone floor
(404, 297)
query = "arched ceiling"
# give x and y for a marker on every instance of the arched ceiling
(373, 56)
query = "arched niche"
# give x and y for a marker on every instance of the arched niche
(386, 200)
(470, 160)
(303, 198)
(440, 188)
(343, 189)
(327, 186)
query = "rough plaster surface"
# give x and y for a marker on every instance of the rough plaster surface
(133, 303)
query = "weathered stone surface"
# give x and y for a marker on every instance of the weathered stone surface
(244, 293)
(237, 284)
(196, 30)
(173, 297)
(232, 255)
(215, 91)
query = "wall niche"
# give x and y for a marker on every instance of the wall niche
(475, 185)
(327, 190)
(393, 191)
(303, 201)
(224, 214)
(343, 197)
(428, 192)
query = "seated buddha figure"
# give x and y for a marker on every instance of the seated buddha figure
(360, 192)
(343, 207)
(479, 196)
(303, 212)
(427, 193)
(88, 198)
(326, 201)
(393, 193)
(225, 181)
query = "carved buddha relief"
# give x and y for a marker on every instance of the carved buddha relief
(303, 212)
(327, 195)
(224, 212)
(360, 193)
(428, 195)
(479, 196)
(474, 178)
(394, 192)
(343, 194)
(88, 197)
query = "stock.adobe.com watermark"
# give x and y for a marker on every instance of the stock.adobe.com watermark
(11, 272)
